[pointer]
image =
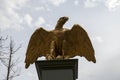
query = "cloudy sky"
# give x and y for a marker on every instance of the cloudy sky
(100, 18)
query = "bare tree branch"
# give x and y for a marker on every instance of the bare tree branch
(8, 61)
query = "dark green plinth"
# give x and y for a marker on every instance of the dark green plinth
(57, 69)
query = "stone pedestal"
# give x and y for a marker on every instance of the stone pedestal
(57, 69)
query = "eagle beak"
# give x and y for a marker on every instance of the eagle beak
(65, 18)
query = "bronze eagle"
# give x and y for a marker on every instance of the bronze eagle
(59, 43)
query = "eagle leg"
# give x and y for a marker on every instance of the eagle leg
(59, 57)
(63, 52)
(51, 56)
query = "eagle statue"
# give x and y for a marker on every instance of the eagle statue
(59, 43)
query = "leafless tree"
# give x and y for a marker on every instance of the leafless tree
(10, 62)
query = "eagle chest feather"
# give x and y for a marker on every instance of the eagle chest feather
(59, 38)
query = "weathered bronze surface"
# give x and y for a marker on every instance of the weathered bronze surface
(59, 43)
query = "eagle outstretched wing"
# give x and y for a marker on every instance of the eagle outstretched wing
(78, 43)
(39, 45)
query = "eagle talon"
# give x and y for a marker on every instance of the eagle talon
(49, 57)
(59, 57)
